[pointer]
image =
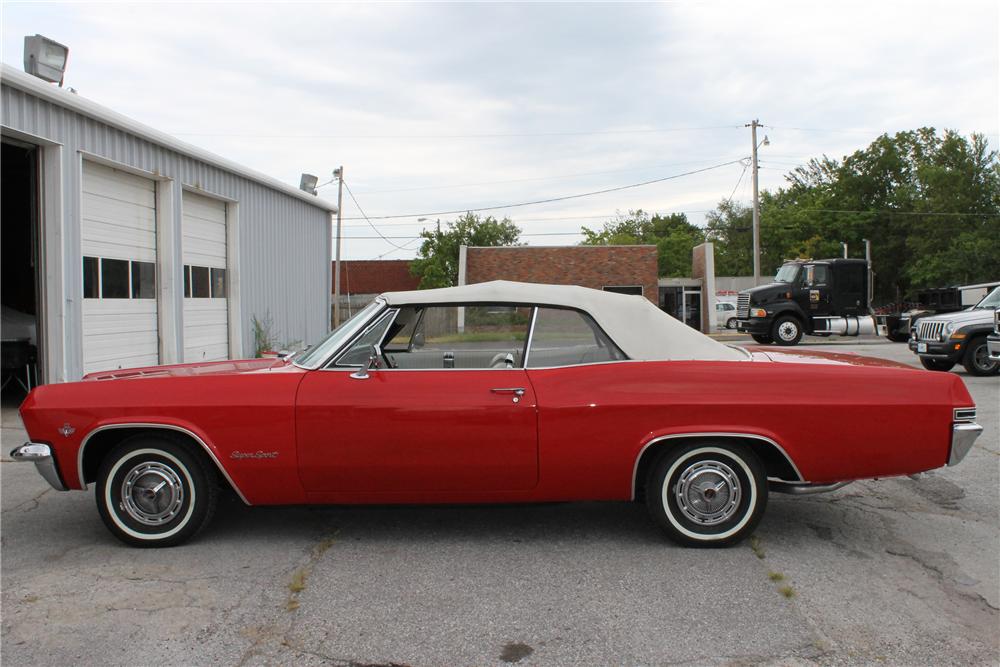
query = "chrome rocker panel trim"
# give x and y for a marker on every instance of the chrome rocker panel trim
(777, 486)
(45, 463)
(148, 425)
(962, 438)
(714, 434)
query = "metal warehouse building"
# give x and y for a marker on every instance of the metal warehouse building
(129, 248)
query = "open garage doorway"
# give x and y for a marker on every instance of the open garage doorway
(19, 275)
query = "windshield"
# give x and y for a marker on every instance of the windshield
(788, 273)
(991, 301)
(316, 354)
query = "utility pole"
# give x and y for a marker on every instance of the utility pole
(753, 125)
(844, 246)
(338, 173)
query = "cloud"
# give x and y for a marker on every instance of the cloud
(420, 102)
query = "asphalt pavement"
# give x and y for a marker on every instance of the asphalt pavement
(898, 571)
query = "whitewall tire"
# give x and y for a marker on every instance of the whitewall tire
(707, 494)
(153, 492)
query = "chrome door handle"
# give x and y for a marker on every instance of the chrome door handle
(517, 391)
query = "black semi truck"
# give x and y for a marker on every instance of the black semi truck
(823, 297)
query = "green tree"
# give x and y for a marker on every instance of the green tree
(437, 260)
(673, 235)
(730, 228)
(929, 202)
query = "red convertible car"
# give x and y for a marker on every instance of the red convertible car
(496, 392)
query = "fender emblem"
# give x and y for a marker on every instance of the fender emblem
(259, 454)
(67, 430)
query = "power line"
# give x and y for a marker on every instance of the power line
(381, 235)
(546, 201)
(481, 135)
(398, 238)
(526, 180)
(746, 165)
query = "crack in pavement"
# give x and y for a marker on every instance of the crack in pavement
(34, 500)
(299, 578)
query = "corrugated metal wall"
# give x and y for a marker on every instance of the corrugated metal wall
(284, 246)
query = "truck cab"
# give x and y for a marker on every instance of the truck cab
(822, 297)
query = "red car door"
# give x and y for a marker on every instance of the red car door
(417, 431)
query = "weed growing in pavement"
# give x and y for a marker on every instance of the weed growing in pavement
(787, 591)
(775, 576)
(756, 547)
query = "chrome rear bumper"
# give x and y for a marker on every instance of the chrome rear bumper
(962, 437)
(41, 455)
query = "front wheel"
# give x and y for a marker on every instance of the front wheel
(153, 492)
(762, 339)
(707, 494)
(936, 364)
(787, 330)
(731, 323)
(977, 358)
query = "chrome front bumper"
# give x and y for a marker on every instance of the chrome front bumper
(993, 346)
(962, 437)
(41, 455)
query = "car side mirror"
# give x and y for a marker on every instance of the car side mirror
(373, 363)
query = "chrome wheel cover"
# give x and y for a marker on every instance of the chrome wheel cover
(708, 492)
(788, 331)
(152, 493)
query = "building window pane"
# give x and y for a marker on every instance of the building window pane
(143, 280)
(218, 283)
(114, 278)
(91, 278)
(200, 288)
(568, 337)
(187, 281)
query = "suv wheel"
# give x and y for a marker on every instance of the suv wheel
(977, 358)
(787, 330)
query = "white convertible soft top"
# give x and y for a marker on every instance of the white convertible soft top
(642, 330)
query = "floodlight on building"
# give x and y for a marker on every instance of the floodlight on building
(45, 58)
(308, 183)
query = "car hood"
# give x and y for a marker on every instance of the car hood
(233, 367)
(761, 353)
(964, 317)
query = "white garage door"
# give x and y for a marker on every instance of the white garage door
(118, 240)
(206, 306)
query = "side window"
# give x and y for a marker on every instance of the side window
(361, 349)
(564, 337)
(474, 336)
(817, 274)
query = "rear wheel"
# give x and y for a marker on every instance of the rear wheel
(787, 330)
(977, 358)
(936, 364)
(731, 323)
(153, 492)
(763, 339)
(707, 494)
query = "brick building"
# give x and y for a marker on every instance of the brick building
(629, 269)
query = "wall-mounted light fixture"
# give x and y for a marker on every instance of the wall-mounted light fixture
(308, 183)
(45, 58)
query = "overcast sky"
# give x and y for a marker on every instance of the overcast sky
(437, 107)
